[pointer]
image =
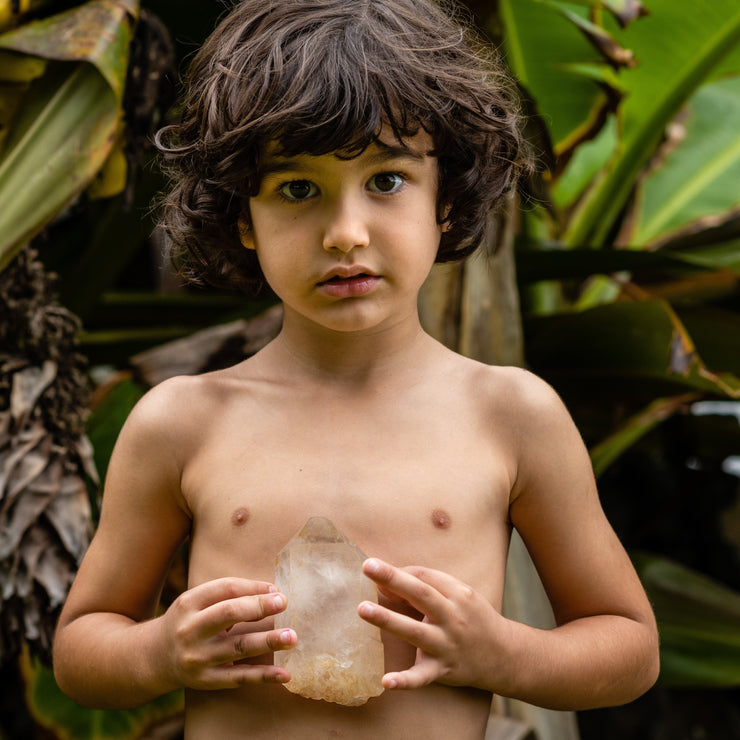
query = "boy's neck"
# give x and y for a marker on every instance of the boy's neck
(351, 359)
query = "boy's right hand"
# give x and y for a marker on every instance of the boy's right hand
(202, 645)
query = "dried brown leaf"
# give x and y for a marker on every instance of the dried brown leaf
(45, 459)
(28, 385)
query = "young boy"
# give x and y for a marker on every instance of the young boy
(337, 149)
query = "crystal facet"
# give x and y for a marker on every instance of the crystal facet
(339, 656)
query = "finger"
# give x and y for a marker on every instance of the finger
(221, 589)
(224, 615)
(260, 643)
(232, 676)
(233, 648)
(420, 592)
(422, 635)
(421, 674)
(448, 585)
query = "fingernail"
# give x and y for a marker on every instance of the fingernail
(278, 601)
(367, 609)
(372, 566)
(286, 637)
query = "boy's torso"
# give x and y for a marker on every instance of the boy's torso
(415, 478)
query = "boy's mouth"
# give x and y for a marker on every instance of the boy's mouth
(349, 283)
(343, 274)
(342, 279)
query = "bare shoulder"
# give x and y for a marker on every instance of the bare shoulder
(173, 416)
(524, 414)
(512, 392)
(184, 400)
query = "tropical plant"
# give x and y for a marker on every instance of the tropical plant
(626, 249)
(61, 93)
(628, 255)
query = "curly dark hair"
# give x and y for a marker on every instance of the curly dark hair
(323, 76)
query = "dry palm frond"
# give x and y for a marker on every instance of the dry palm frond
(45, 458)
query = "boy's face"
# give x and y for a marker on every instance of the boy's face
(347, 243)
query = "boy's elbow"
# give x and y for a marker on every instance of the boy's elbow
(637, 671)
(647, 669)
(652, 668)
(65, 675)
(70, 677)
(77, 688)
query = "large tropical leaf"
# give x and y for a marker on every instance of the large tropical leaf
(698, 183)
(634, 340)
(65, 126)
(608, 450)
(698, 621)
(723, 255)
(97, 31)
(62, 135)
(543, 48)
(13, 12)
(677, 47)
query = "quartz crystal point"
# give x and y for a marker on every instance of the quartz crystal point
(338, 657)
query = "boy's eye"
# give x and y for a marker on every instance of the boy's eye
(385, 182)
(298, 190)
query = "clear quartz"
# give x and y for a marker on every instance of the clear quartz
(338, 656)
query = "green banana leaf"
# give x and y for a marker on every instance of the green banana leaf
(13, 12)
(722, 255)
(698, 621)
(698, 184)
(716, 333)
(636, 427)
(552, 263)
(625, 11)
(541, 47)
(98, 31)
(638, 341)
(63, 133)
(66, 123)
(69, 721)
(588, 158)
(677, 48)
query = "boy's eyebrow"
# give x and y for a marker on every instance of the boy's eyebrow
(387, 152)
(275, 163)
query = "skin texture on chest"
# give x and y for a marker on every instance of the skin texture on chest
(398, 479)
(429, 508)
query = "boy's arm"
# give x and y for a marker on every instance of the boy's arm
(604, 650)
(109, 650)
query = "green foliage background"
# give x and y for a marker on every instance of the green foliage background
(628, 244)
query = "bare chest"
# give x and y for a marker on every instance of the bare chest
(406, 486)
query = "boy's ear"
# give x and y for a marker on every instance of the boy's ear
(245, 232)
(446, 224)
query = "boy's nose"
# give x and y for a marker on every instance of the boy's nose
(346, 228)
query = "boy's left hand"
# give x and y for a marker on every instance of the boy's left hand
(459, 626)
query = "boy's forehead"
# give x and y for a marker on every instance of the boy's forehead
(385, 146)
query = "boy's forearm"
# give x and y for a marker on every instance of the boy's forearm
(108, 661)
(597, 661)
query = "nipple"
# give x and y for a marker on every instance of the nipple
(441, 519)
(240, 517)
